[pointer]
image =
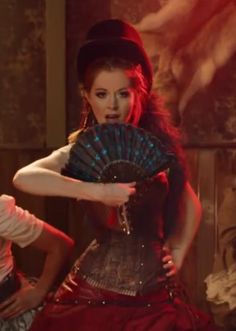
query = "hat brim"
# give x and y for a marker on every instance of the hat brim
(114, 47)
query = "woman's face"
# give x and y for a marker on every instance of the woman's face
(111, 96)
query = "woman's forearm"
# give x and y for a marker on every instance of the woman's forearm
(43, 181)
(40, 181)
(43, 177)
(182, 239)
(57, 247)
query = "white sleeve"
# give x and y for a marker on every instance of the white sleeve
(17, 224)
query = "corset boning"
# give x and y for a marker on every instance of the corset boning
(123, 264)
(128, 264)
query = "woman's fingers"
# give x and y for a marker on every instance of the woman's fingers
(167, 258)
(170, 268)
(12, 309)
(168, 263)
(117, 194)
(132, 184)
(7, 303)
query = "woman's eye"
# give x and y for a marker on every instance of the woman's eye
(124, 94)
(101, 95)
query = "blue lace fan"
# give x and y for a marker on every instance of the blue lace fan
(122, 153)
(116, 153)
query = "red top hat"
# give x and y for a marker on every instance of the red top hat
(113, 38)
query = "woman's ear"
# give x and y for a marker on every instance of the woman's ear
(81, 90)
(86, 101)
(84, 94)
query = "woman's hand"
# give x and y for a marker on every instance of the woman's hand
(114, 194)
(26, 298)
(168, 263)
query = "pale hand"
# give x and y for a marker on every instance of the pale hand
(116, 194)
(168, 263)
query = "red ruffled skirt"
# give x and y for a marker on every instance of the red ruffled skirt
(87, 308)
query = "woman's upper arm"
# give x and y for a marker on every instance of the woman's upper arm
(191, 200)
(191, 210)
(55, 161)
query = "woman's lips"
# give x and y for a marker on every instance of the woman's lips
(112, 118)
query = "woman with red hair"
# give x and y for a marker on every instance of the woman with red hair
(125, 278)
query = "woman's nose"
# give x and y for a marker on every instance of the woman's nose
(113, 102)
